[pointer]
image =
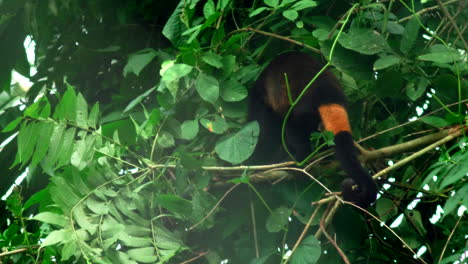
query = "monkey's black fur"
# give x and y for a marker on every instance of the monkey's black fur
(269, 103)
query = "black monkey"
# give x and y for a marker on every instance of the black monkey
(323, 102)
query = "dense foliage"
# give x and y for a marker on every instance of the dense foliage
(133, 134)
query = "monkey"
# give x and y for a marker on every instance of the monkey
(324, 102)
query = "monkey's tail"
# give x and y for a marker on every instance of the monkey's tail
(360, 188)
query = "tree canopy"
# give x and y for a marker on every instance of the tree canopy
(132, 135)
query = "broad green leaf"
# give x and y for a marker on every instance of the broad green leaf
(55, 148)
(215, 125)
(457, 172)
(175, 25)
(290, 14)
(363, 40)
(68, 105)
(222, 4)
(209, 9)
(257, 11)
(57, 236)
(93, 116)
(12, 125)
(138, 61)
(238, 147)
(27, 139)
(36, 108)
(321, 34)
(417, 87)
(189, 129)
(435, 121)
(97, 207)
(303, 4)
(308, 252)
(175, 204)
(52, 218)
(233, 91)
(66, 147)
(138, 99)
(213, 59)
(171, 76)
(207, 87)
(454, 201)
(229, 64)
(410, 35)
(69, 249)
(83, 220)
(441, 57)
(278, 219)
(395, 28)
(81, 112)
(166, 140)
(385, 62)
(45, 130)
(272, 3)
(145, 255)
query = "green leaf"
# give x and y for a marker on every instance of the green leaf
(12, 125)
(93, 116)
(68, 105)
(385, 62)
(81, 112)
(454, 201)
(304, 4)
(238, 147)
(435, 121)
(207, 87)
(66, 147)
(257, 11)
(290, 14)
(233, 91)
(321, 34)
(175, 204)
(139, 98)
(55, 237)
(45, 130)
(27, 138)
(308, 252)
(278, 219)
(209, 9)
(171, 76)
(410, 35)
(213, 59)
(139, 60)
(395, 28)
(51, 218)
(166, 140)
(97, 207)
(145, 255)
(416, 90)
(217, 125)
(55, 148)
(363, 40)
(441, 57)
(272, 3)
(189, 129)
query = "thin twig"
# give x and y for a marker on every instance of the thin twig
(17, 251)
(254, 226)
(426, 10)
(454, 24)
(333, 242)
(450, 237)
(304, 232)
(195, 258)
(278, 37)
(214, 207)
